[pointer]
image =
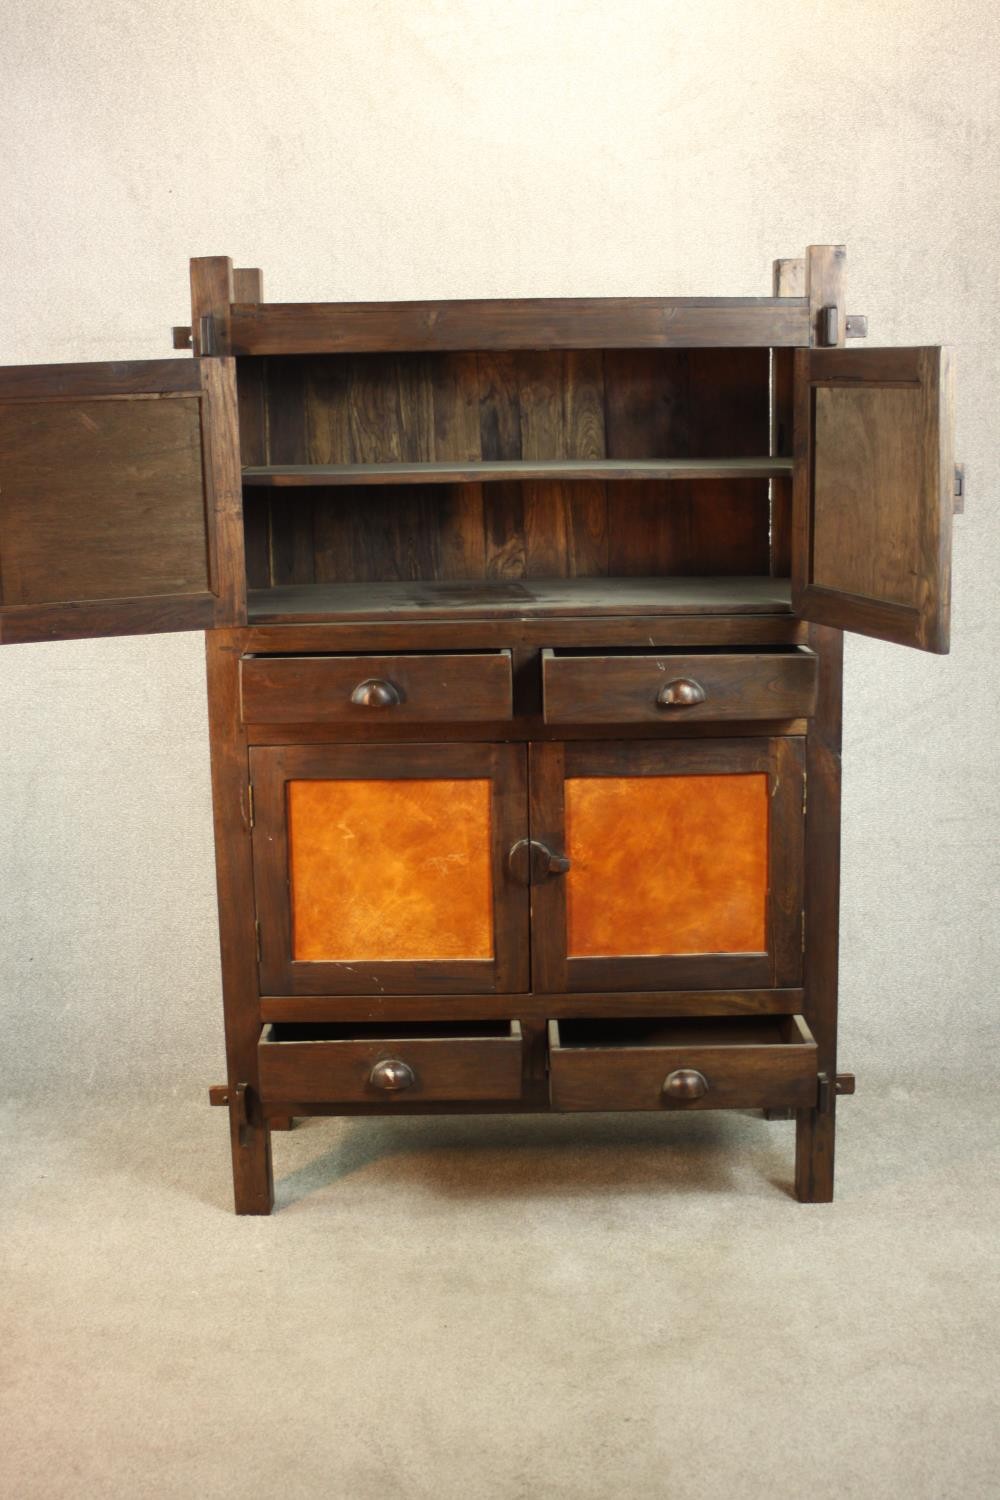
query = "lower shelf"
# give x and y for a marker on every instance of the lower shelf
(505, 598)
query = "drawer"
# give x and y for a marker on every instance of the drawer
(418, 689)
(368, 1064)
(647, 687)
(749, 1062)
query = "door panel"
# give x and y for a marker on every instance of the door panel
(684, 864)
(383, 868)
(120, 499)
(874, 492)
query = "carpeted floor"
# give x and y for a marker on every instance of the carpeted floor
(578, 1308)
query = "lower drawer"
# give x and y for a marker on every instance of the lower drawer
(753, 1062)
(362, 1064)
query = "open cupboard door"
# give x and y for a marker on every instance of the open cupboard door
(120, 499)
(874, 486)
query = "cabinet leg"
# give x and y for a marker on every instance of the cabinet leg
(281, 1122)
(253, 1179)
(814, 1138)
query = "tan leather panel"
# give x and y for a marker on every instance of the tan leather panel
(666, 864)
(388, 869)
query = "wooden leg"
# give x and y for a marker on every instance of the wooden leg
(814, 1138)
(281, 1122)
(253, 1181)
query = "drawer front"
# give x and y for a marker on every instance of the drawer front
(414, 689)
(749, 1063)
(660, 688)
(354, 1064)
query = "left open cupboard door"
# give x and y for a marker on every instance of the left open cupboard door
(120, 499)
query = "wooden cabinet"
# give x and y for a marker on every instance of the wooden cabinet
(524, 663)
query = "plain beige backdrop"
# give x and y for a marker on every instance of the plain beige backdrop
(473, 148)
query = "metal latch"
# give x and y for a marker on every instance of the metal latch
(959, 508)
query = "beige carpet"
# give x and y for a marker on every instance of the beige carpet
(592, 1308)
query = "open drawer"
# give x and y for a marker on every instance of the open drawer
(357, 1063)
(626, 686)
(747, 1062)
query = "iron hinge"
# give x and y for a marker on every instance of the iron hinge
(251, 808)
(959, 505)
(805, 792)
(802, 929)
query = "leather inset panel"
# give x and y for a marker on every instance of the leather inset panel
(390, 869)
(666, 864)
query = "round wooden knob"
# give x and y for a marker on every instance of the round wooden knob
(685, 1083)
(375, 693)
(683, 692)
(392, 1075)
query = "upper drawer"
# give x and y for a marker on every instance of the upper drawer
(414, 689)
(661, 687)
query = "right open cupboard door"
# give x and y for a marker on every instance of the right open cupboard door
(874, 488)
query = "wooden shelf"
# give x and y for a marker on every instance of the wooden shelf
(280, 475)
(493, 599)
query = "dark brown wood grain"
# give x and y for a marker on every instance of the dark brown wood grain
(251, 1147)
(535, 1007)
(569, 323)
(873, 492)
(430, 688)
(119, 505)
(624, 688)
(212, 292)
(750, 1063)
(334, 1062)
(816, 1132)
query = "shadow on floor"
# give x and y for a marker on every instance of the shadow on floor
(483, 1156)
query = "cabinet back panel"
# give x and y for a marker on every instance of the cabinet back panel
(566, 404)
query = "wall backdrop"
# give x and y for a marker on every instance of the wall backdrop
(486, 148)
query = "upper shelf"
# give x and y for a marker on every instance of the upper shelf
(280, 475)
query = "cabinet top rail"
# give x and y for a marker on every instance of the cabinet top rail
(537, 323)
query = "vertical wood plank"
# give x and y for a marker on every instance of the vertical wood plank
(815, 1132)
(248, 285)
(454, 384)
(211, 298)
(253, 1186)
(826, 273)
(292, 549)
(789, 281)
(221, 437)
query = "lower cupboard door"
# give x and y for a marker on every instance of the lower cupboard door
(667, 864)
(382, 869)
(749, 1062)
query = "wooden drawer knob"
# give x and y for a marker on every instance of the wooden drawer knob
(683, 692)
(685, 1083)
(374, 692)
(392, 1075)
